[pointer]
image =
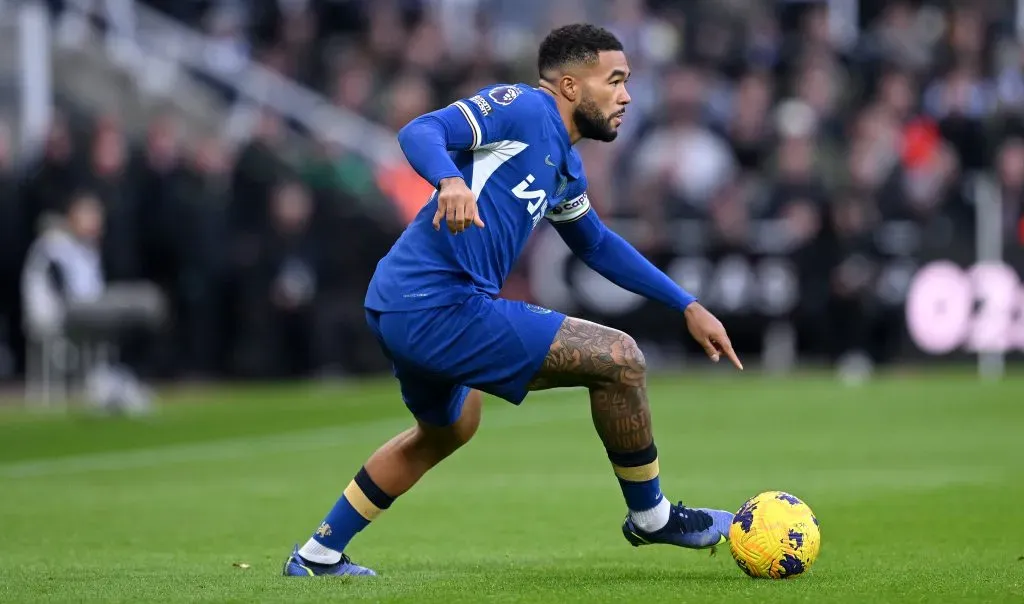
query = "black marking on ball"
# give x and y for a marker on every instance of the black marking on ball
(791, 566)
(796, 538)
(745, 517)
(788, 499)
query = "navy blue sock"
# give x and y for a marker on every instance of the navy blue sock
(360, 504)
(638, 477)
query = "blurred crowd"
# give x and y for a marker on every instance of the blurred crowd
(832, 124)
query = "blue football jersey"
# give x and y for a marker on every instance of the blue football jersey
(515, 155)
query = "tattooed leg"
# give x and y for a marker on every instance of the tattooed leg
(610, 364)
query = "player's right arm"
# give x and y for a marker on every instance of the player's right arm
(464, 125)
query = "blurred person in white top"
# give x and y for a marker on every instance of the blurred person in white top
(66, 298)
(64, 265)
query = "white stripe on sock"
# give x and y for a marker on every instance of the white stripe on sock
(314, 552)
(653, 519)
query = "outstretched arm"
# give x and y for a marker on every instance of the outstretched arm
(616, 260)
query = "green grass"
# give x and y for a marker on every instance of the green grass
(917, 482)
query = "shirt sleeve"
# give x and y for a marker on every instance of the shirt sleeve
(611, 256)
(465, 125)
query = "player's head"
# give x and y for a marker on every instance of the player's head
(584, 65)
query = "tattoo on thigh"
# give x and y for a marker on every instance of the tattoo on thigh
(588, 354)
(610, 364)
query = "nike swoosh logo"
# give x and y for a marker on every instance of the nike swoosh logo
(548, 161)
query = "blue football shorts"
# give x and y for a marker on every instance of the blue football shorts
(439, 354)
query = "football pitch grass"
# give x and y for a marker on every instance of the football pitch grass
(917, 483)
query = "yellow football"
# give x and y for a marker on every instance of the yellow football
(774, 536)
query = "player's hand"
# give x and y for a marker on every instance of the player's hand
(710, 334)
(456, 205)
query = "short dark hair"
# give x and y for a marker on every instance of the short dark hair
(576, 43)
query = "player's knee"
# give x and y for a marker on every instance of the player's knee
(630, 358)
(442, 441)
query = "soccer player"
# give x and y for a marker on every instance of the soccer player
(501, 161)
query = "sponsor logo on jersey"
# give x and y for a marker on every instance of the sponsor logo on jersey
(504, 95)
(481, 102)
(536, 200)
(540, 310)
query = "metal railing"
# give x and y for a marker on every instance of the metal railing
(157, 50)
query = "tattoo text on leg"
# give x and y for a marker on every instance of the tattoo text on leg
(611, 365)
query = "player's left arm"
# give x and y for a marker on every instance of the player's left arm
(616, 260)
